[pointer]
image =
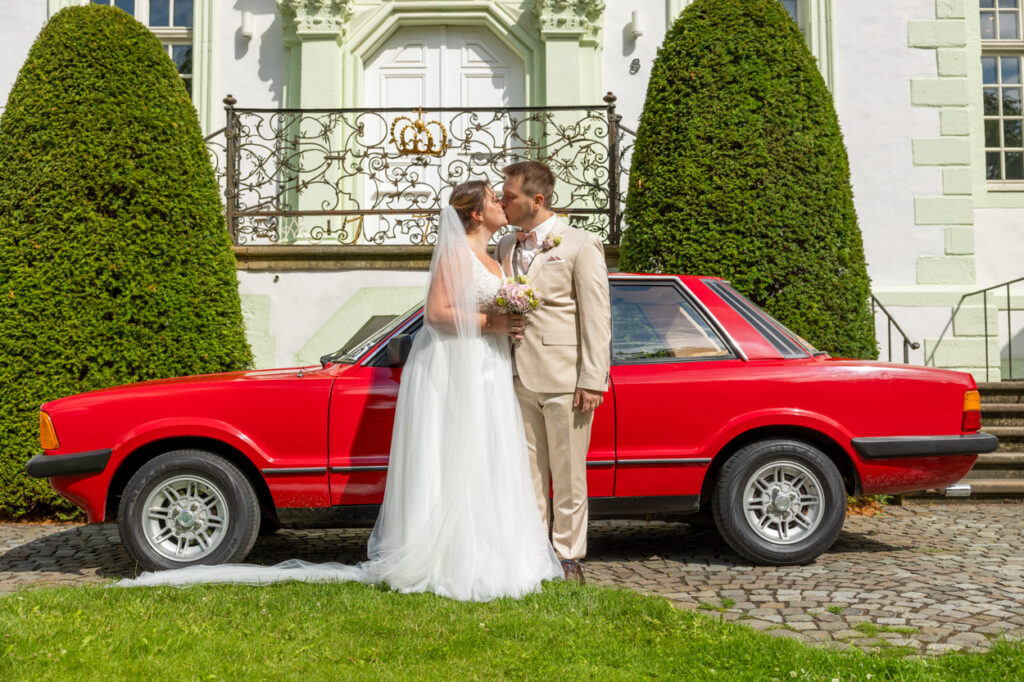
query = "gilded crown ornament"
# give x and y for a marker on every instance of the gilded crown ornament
(415, 137)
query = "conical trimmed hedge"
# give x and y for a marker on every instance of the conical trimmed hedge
(115, 265)
(739, 171)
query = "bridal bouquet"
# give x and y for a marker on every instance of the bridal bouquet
(517, 297)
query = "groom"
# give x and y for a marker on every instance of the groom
(561, 363)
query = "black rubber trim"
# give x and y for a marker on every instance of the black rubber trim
(619, 507)
(925, 446)
(47, 466)
(295, 471)
(364, 515)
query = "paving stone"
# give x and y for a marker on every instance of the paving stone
(971, 590)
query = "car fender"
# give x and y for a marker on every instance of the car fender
(782, 417)
(189, 427)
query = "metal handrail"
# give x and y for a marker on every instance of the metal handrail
(908, 345)
(984, 308)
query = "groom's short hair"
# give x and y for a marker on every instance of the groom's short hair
(537, 178)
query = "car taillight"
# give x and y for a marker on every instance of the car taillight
(972, 411)
(47, 434)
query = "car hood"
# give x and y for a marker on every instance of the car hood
(198, 381)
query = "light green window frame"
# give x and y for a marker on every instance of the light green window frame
(1002, 49)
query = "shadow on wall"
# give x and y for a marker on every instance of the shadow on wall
(270, 62)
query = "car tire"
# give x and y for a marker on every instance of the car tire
(779, 502)
(188, 507)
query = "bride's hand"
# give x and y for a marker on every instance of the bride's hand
(504, 323)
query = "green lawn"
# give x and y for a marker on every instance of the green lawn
(323, 631)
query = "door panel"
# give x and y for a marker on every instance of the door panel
(669, 372)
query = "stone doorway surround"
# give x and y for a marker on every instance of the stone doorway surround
(328, 42)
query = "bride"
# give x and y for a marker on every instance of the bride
(459, 516)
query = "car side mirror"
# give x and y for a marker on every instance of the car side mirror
(398, 349)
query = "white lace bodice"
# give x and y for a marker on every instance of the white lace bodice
(485, 282)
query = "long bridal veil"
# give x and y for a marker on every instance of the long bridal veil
(458, 516)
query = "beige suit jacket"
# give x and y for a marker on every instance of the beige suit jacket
(568, 345)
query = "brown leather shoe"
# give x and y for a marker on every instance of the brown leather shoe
(573, 571)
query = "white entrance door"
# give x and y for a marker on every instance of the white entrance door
(433, 67)
(444, 66)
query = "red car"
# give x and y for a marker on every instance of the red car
(713, 405)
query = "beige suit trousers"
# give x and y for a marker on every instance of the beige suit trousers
(559, 437)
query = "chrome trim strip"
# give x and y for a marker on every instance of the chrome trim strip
(673, 460)
(601, 463)
(374, 467)
(294, 470)
(383, 346)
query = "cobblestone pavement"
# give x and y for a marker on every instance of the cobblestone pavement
(925, 578)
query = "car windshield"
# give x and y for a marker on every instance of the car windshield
(367, 337)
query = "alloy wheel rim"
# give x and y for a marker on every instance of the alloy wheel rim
(782, 502)
(185, 518)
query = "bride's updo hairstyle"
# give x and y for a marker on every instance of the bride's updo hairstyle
(468, 197)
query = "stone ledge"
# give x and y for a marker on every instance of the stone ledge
(326, 257)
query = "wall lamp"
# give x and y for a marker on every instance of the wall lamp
(634, 24)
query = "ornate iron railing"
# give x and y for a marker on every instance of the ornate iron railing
(381, 176)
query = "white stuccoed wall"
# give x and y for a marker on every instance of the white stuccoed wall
(20, 23)
(874, 68)
(620, 49)
(251, 70)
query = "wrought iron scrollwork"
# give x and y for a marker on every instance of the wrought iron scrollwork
(341, 176)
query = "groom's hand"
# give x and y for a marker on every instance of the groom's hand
(586, 400)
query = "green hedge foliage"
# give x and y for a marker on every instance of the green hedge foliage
(115, 265)
(739, 171)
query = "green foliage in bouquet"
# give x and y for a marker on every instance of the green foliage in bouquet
(739, 171)
(115, 265)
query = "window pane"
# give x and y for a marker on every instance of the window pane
(790, 6)
(992, 133)
(188, 86)
(1007, 25)
(182, 12)
(657, 322)
(127, 5)
(988, 70)
(988, 3)
(988, 25)
(1012, 134)
(992, 166)
(1011, 69)
(1006, 3)
(1014, 166)
(159, 12)
(991, 98)
(101, 2)
(182, 56)
(1011, 101)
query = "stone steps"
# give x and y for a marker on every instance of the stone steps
(998, 474)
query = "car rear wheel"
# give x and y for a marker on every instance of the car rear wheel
(188, 507)
(779, 502)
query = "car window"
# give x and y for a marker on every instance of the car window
(657, 322)
(786, 342)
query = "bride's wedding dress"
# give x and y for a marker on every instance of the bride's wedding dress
(459, 517)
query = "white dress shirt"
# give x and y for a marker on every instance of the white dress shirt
(526, 251)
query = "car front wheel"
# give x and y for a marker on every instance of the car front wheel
(188, 507)
(779, 502)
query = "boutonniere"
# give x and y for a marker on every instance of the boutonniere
(550, 242)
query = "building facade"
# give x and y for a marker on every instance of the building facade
(928, 94)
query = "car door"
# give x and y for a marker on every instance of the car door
(671, 367)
